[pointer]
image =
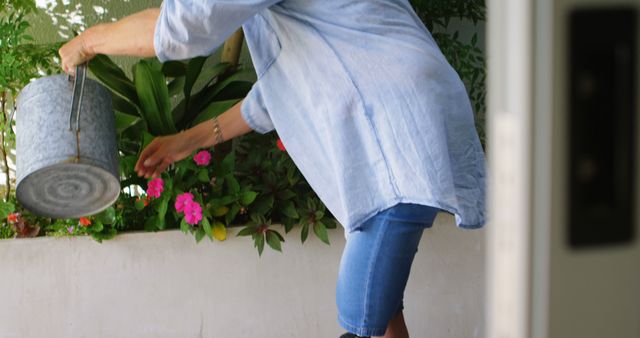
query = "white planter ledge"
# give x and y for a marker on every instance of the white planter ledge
(162, 284)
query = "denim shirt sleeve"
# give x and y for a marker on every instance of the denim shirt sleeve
(186, 29)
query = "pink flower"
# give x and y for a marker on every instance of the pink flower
(193, 213)
(155, 187)
(202, 158)
(183, 200)
(70, 229)
(280, 145)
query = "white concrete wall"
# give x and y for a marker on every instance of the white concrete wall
(164, 285)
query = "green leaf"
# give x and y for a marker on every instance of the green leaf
(124, 106)
(199, 235)
(203, 175)
(305, 232)
(248, 197)
(321, 231)
(221, 211)
(139, 205)
(184, 226)
(214, 109)
(219, 231)
(151, 223)
(194, 67)
(259, 243)
(249, 230)
(286, 194)
(97, 226)
(232, 184)
(207, 227)
(176, 87)
(154, 99)
(124, 121)
(273, 240)
(113, 77)
(163, 205)
(174, 69)
(233, 211)
(108, 216)
(289, 210)
(6, 208)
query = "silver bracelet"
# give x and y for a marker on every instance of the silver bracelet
(217, 130)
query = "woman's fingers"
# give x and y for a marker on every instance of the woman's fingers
(74, 53)
(162, 167)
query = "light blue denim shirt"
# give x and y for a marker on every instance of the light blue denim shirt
(367, 106)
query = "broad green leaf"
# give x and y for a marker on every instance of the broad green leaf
(184, 226)
(289, 210)
(139, 205)
(199, 235)
(286, 194)
(124, 121)
(176, 86)
(259, 243)
(124, 106)
(207, 227)
(174, 69)
(113, 77)
(219, 231)
(232, 184)
(321, 232)
(221, 211)
(273, 240)
(6, 208)
(163, 204)
(97, 226)
(214, 109)
(250, 230)
(154, 99)
(150, 223)
(248, 197)
(108, 216)
(194, 67)
(233, 211)
(203, 175)
(305, 232)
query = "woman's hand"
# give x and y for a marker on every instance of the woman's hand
(163, 151)
(75, 52)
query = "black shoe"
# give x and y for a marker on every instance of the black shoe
(351, 335)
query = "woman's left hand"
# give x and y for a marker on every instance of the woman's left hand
(163, 151)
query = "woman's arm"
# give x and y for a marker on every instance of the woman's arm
(132, 35)
(164, 150)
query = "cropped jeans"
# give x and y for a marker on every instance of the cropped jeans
(375, 267)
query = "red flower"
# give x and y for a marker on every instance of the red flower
(280, 145)
(85, 221)
(12, 217)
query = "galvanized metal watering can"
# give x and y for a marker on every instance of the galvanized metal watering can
(66, 150)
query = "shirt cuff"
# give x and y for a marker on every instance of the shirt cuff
(254, 112)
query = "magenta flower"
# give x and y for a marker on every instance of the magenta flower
(183, 200)
(193, 213)
(70, 229)
(155, 187)
(202, 158)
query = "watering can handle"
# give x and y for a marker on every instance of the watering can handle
(78, 92)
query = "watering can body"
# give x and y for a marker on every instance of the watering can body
(62, 171)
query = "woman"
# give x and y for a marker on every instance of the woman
(367, 106)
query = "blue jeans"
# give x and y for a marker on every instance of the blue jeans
(375, 267)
